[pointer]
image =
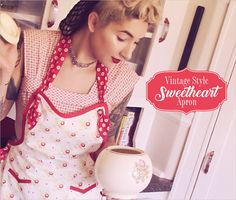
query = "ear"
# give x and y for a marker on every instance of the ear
(93, 20)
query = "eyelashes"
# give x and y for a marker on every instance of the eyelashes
(120, 39)
(123, 40)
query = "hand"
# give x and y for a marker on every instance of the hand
(8, 59)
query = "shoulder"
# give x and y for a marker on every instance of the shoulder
(38, 43)
(41, 36)
(38, 48)
(40, 33)
(124, 73)
(121, 81)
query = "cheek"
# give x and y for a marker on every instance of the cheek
(104, 47)
(108, 44)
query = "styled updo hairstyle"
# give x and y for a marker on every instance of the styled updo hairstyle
(149, 11)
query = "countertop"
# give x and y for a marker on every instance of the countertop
(158, 184)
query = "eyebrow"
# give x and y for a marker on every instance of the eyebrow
(128, 33)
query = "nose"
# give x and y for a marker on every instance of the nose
(127, 52)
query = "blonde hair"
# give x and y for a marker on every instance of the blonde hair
(149, 11)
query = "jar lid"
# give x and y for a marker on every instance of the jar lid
(8, 29)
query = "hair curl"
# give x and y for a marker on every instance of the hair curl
(149, 11)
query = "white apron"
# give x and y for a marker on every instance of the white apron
(54, 159)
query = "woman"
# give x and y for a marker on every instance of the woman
(71, 84)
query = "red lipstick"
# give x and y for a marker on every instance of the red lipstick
(115, 60)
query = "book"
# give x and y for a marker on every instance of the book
(124, 129)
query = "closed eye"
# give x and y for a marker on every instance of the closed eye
(120, 39)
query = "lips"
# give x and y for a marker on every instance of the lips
(115, 60)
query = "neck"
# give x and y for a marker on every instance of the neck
(80, 46)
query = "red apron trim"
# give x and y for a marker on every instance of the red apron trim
(103, 125)
(83, 191)
(17, 177)
(65, 115)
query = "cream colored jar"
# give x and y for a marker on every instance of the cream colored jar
(123, 171)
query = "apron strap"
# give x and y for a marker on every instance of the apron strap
(101, 77)
(103, 118)
(59, 54)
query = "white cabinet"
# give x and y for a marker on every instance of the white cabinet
(217, 175)
(219, 180)
(213, 132)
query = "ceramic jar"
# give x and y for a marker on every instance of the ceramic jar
(123, 171)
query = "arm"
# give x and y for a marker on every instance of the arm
(11, 71)
(115, 120)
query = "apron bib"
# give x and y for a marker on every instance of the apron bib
(54, 159)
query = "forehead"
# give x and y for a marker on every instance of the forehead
(136, 27)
